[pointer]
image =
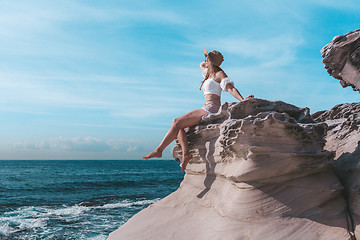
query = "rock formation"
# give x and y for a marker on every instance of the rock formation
(342, 59)
(258, 171)
(343, 137)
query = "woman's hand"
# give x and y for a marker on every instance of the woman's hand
(203, 65)
(250, 96)
(206, 53)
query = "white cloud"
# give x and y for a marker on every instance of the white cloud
(22, 19)
(131, 149)
(267, 52)
(350, 5)
(130, 97)
(79, 144)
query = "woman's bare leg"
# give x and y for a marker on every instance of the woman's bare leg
(186, 120)
(186, 156)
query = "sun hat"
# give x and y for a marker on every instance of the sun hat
(215, 57)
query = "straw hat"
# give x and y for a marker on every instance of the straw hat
(215, 57)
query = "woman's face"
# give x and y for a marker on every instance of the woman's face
(207, 61)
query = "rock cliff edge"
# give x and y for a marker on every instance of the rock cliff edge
(260, 170)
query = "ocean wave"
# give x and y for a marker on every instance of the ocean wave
(39, 219)
(125, 204)
(6, 229)
(21, 220)
(69, 211)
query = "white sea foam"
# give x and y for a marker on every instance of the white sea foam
(22, 219)
(9, 225)
(38, 220)
(5, 229)
(69, 211)
(98, 237)
(127, 203)
(32, 223)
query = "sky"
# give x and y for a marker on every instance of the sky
(105, 79)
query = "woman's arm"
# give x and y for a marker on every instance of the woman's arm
(233, 91)
(203, 65)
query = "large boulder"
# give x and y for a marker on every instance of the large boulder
(342, 59)
(258, 171)
(343, 137)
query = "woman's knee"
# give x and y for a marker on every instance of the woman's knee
(177, 122)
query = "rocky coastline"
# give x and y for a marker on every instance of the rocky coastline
(260, 170)
(268, 170)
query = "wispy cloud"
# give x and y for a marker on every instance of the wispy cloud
(80, 144)
(20, 18)
(34, 93)
(132, 149)
(60, 35)
(77, 148)
(266, 52)
(349, 5)
(119, 97)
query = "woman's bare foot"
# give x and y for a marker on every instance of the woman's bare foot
(156, 153)
(185, 160)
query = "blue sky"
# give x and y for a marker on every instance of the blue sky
(105, 79)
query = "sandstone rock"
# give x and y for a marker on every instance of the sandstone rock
(342, 59)
(343, 137)
(344, 127)
(258, 171)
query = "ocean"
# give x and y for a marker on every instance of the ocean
(60, 199)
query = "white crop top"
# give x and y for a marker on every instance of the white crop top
(211, 86)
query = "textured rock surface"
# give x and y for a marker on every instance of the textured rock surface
(342, 59)
(258, 172)
(343, 136)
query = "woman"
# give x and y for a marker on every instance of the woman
(214, 81)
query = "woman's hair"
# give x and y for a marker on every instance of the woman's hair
(212, 70)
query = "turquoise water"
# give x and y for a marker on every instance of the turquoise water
(78, 199)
